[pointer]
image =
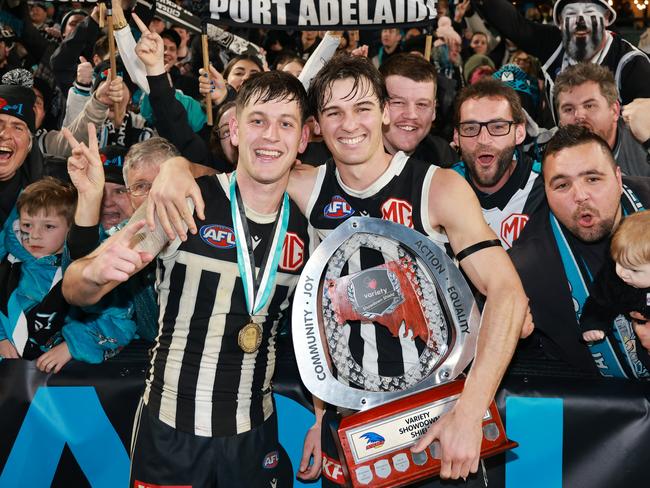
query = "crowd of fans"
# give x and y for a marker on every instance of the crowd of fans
(56, 80)
(81, 143)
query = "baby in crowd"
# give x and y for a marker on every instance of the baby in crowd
(623, 287)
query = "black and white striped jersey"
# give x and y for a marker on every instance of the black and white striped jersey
(200, 381)
(507, 210)
(399, 195)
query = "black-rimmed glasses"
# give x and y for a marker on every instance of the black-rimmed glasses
(494, 128)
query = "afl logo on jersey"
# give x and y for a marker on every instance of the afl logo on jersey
(338, 208)
(218, 236)
(398, 211)
(511, 228)
(293, 253)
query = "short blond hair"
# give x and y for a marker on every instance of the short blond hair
(631, 242)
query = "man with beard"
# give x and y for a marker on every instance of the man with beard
(490, 126)
(585, 94)
(564, 246)
(411, 85)
(579, 34)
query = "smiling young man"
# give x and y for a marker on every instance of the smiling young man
(490, 126)
(411, 85)
(350, 102)
(564, 246)
(207, 414)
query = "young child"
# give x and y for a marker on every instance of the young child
(623, 287)
(32, 308)
(35, 320)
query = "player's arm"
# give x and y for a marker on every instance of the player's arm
(453, 205)
(168, 199)
(122, 255)
(312, 445)
(301, 185)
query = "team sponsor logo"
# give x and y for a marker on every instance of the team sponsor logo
(293, 252)
(332, 470)
(338, 208)
(373, 440)
(142, 484)
(218, 236)
(511, 228)
(271, 460)
(5, 107)
(398, 211)
(116, 161)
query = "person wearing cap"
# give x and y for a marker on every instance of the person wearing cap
(585, 94)
(76, 44)
(38, 14)
(116, 206)
(71, 20)
(17, 124)
(477, 67)
(579, 34)
(7, 38)
(490, 128)
(94, 110)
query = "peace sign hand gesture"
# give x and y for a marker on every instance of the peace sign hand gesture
(85, 166)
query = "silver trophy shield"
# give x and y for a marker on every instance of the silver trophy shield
(411, 288)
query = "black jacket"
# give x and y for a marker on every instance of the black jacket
(538, 262)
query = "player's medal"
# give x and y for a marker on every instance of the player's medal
(250, 337)
(257, 286)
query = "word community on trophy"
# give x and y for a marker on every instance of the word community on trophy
(409, 291)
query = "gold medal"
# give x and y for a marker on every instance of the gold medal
(250, 337)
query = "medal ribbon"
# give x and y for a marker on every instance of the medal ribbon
(264, 280)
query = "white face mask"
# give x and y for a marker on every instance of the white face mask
(583, 29)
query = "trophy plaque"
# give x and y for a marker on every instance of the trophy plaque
(376, 292)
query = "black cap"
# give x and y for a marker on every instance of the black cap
(113, 160)
(66, 17)
(18, 101)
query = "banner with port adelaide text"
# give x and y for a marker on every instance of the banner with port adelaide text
(323, 14)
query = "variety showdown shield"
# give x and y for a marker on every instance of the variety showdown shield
(420, 299)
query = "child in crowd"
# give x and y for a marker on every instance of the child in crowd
(624, 284)
(35, 320)
(32, 308)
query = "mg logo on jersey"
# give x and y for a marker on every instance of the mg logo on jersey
(511, 227)
(218, 236)
(398, 211)
(338, 208)
(293, 252)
